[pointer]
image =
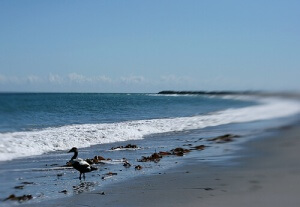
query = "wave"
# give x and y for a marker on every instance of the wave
(20, 144)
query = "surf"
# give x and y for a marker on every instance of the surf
(29, 143)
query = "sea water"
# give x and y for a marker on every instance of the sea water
(37, 130)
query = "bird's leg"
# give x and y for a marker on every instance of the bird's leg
(80, 176)
(84, 176)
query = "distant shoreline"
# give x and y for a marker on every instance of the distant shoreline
(209, 92)
(291, 95)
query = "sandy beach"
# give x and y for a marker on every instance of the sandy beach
(149, 103)
(268, 174)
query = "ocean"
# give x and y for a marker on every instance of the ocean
(38, 129)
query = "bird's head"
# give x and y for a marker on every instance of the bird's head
(74, 149)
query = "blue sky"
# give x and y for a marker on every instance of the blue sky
(148, 46)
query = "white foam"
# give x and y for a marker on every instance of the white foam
(125, 149)
(21, 144)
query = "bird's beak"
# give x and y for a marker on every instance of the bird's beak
(70, 151)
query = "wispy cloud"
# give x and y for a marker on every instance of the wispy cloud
(55, 79)
(15, 79)
(133, 79)
(33, 79)
(9, 79)
(103, 79)
(79, 78)
(30, 79)
(176, 79)
(99, 82)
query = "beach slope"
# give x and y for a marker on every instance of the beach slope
(267, 175)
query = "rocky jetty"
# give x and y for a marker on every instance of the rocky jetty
(207, 92)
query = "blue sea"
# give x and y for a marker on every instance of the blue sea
(38, 129)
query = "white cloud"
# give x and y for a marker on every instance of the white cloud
(9, 79)
(133, 79)
(53, 78)
(33, 79)
(78, 82)
(78, 78)
(103, 79)
(176, 79)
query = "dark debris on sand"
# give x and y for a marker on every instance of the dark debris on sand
(138, 167)
(19, 187)
(155, 157)
(64, 191)
(96, 160)
(28, 183)
(199, 147)
(109, 174)
(224, 138)
(126, 164)
(179, 151)
(129, 146)
(20, 199)
(162, 153)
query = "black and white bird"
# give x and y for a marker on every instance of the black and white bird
(79, 164)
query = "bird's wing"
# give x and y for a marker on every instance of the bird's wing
(81, 162)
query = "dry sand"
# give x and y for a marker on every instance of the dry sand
(269, 175)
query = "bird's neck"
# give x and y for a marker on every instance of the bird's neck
(74, 156)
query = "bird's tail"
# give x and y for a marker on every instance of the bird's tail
(93, 168)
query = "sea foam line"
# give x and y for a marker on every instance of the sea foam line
(20, 144)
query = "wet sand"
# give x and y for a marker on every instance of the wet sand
(268, 174)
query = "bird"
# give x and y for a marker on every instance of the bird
(79, 164)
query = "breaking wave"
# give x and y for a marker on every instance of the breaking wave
(20, 144)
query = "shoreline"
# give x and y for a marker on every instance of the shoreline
(267, 174)
(295, 95)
